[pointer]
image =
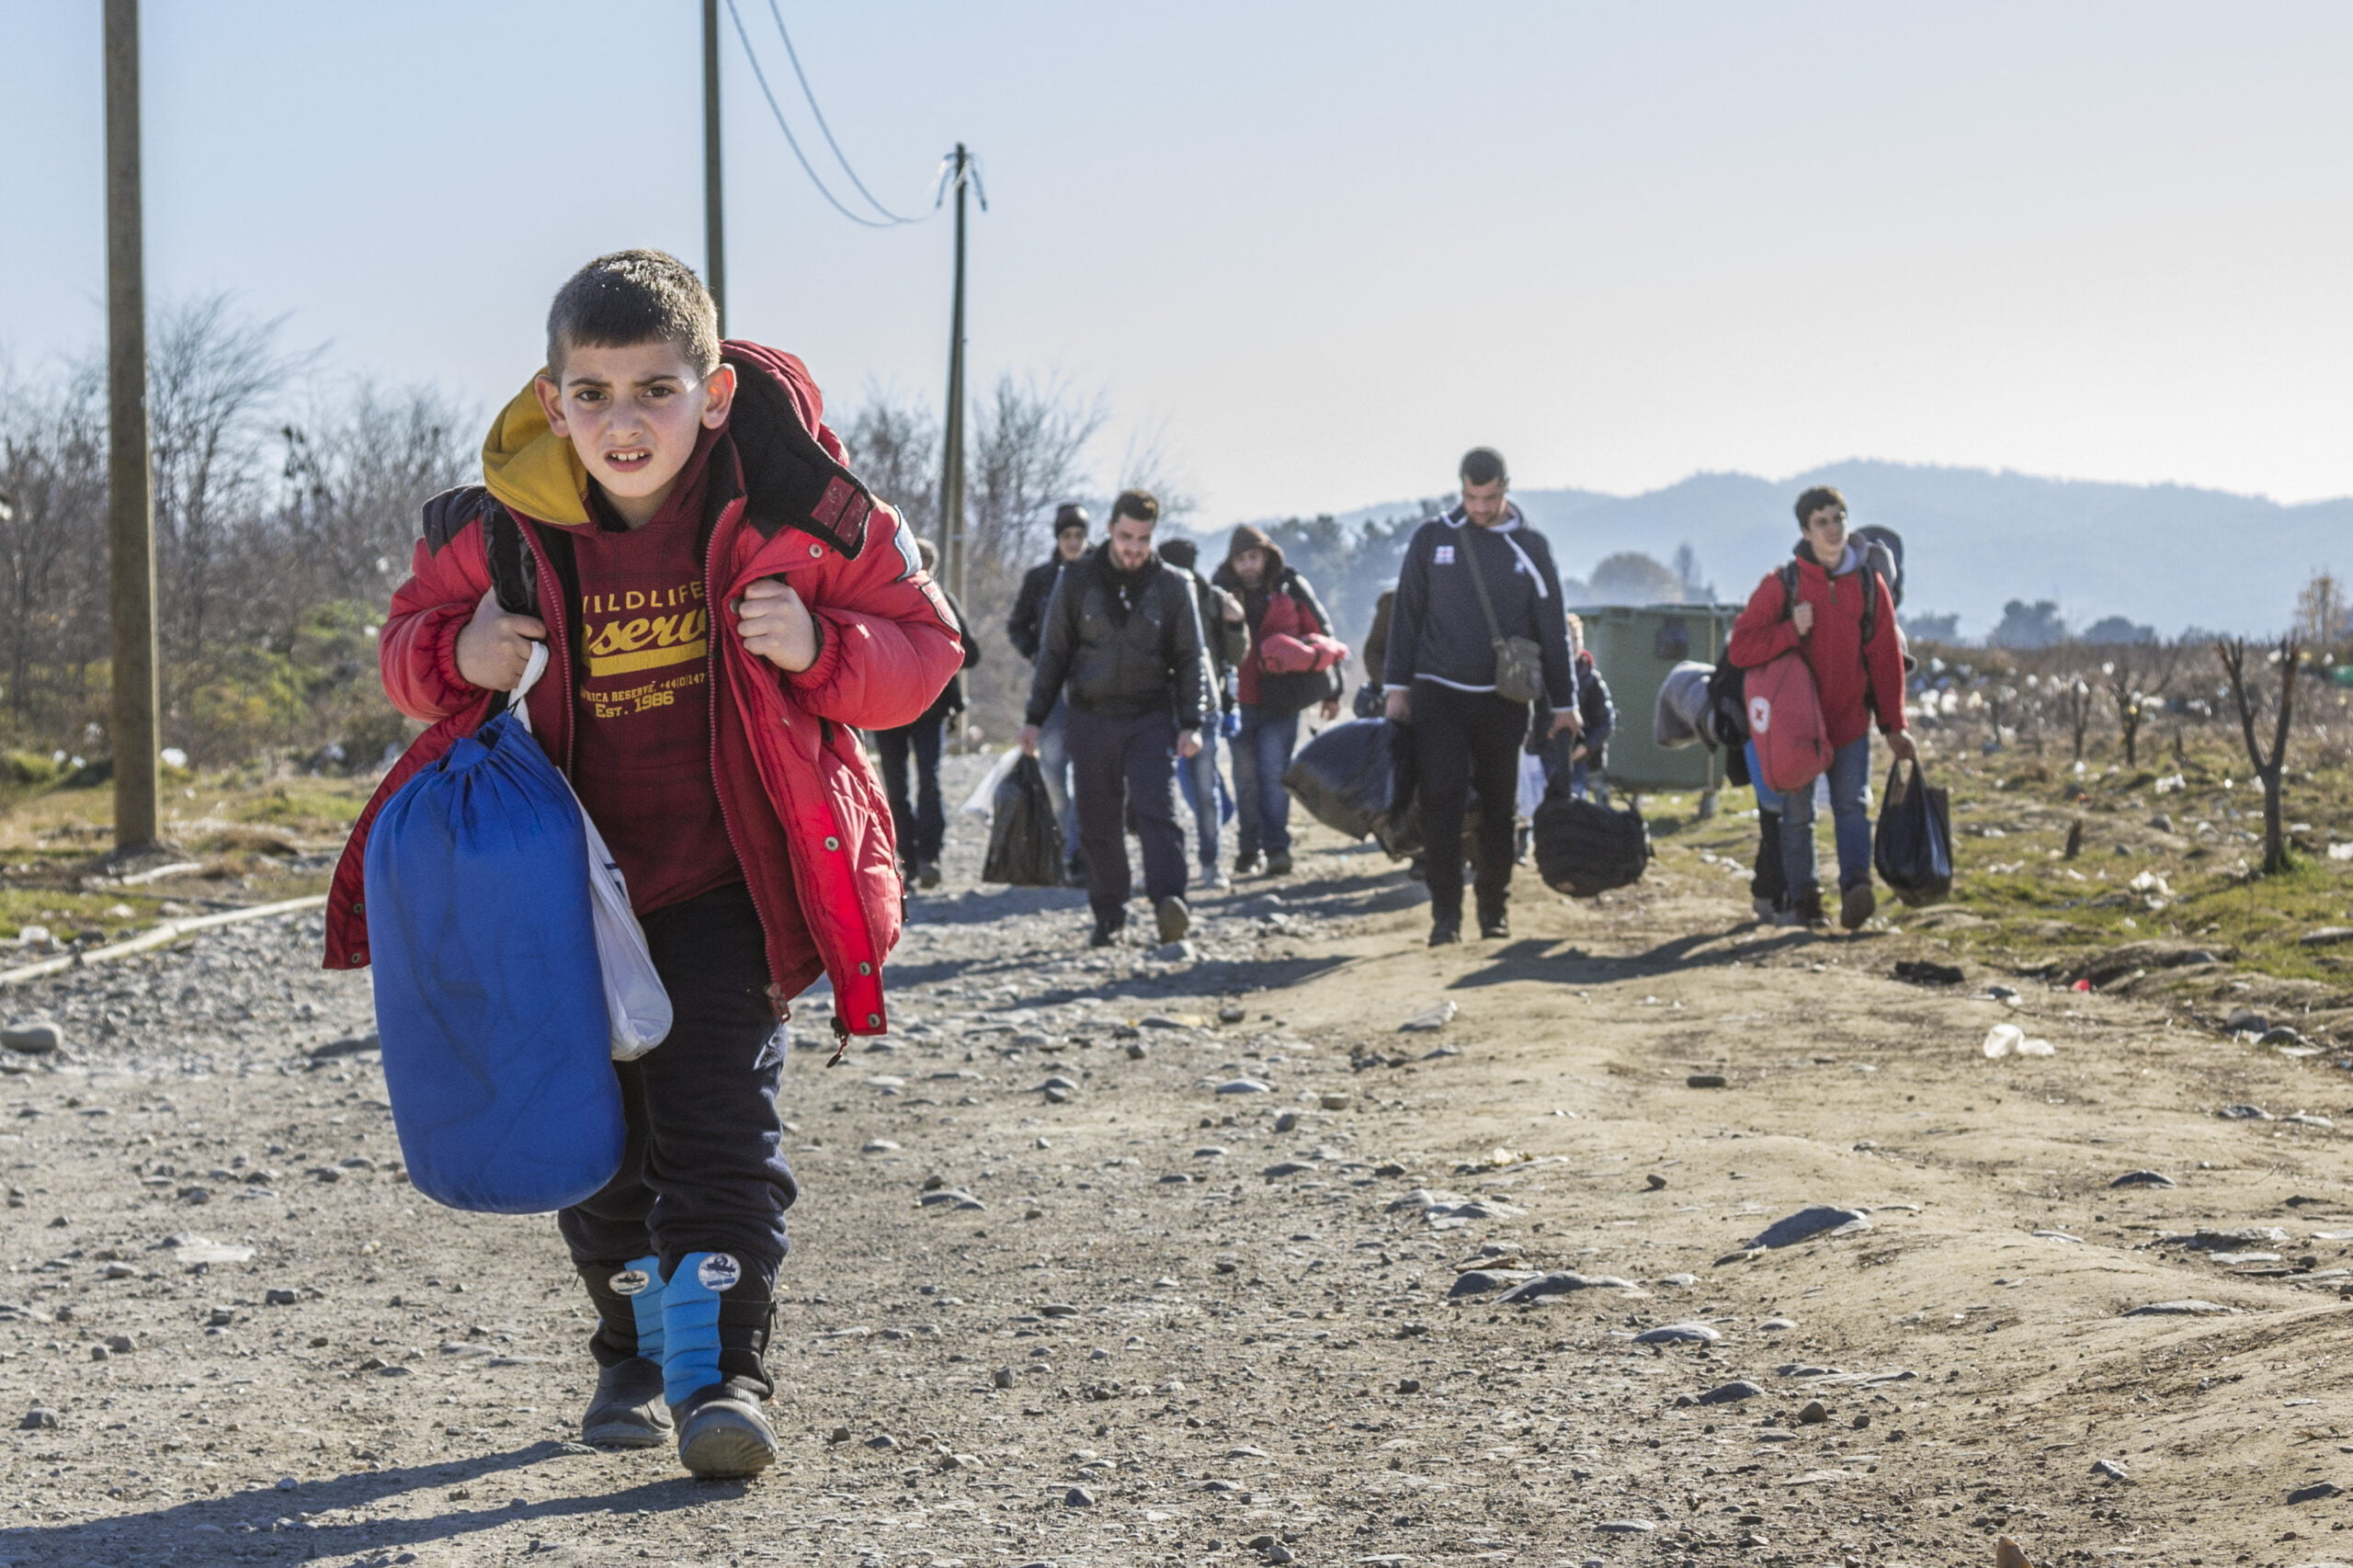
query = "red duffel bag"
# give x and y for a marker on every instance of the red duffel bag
(1786, 723)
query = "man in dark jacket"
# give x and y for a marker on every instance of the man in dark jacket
(1225, 640)
(915, 810)
(1024, 626)
(1122, 640)
(1441, 672)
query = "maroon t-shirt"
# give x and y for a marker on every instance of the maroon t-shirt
(640, 759)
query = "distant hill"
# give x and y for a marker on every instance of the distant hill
(2165, 554)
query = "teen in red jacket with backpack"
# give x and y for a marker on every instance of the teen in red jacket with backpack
(724, 605)
(1841, 618)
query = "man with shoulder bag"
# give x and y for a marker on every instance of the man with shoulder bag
(1476, 637)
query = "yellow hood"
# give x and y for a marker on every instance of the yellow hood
(531, 468)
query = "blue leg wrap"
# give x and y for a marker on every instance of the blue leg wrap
(646, 1305)
(689, 1330)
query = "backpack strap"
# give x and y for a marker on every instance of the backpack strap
(1789, 576)
(512, 572)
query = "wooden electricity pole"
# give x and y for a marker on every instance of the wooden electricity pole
(130, 511)
(951, 467)
(714, 227)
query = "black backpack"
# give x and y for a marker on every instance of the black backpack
(1583, 848)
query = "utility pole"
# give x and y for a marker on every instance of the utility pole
(951, 467)
(130, 510)
(714, 227)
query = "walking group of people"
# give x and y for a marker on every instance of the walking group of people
(667, 526)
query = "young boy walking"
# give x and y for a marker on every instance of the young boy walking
(724, 605)
(1841, 619)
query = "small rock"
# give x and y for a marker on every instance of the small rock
(2144, 1178)
(878, 1146)
(881, 1440)
(2239, 1239)
(1428, 1018)
(221, 1317)
(1003, 1378)
(1564, 1284)
(1625, 1526)
(279, 1298)
(1821, 1220)
(32, 1037)
(1281, 1168)
(1167, 952)
(1479, 1282)
(1058, 1310)
(1137, 1050)
(1731, 1393)
(1404, 1385)
(1679, 1333)
(1815, 1414)
(1286, 1121)
(2178, 1309)
(1704, 1081)
(2315, 1491)
(121, 1344)
(1231, 1013)
(1331, 1101)
(40, 1418)
(1245, 1086)
(1161, 1021)
(1655, 1182)
(2244, 1113)
(350, 1045)
(1776, 1325)
(1079, 1497)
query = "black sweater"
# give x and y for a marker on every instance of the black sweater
(1126, 643)
(1028, 617)
(1436, 630)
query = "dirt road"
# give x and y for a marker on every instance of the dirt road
(1195, 1291)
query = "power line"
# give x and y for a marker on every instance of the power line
(794, 55)
(792, 142)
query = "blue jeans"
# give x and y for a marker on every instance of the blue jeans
(1054, 760)
(1261, 754)
(1851, 770)
(1197, 780)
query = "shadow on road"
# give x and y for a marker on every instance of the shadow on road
(1534, 958)
(266, 1524)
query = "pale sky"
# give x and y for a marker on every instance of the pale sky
(1319, 248)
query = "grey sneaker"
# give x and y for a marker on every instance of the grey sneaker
(626, 1410)
(1767, 912)
(1175, 920)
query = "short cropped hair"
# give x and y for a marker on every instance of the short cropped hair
(1141, 504)
(632, 297)
(1485, 465)
(1815, 499)
(1068, 516)
(1182, 552)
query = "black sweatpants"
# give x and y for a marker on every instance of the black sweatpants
(915, 810)
(1462, 740)
(1121, 765)
(703, 1169)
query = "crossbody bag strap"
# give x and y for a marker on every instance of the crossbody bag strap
(1479, 584)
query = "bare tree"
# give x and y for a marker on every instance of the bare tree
(893, 446)
(53, 565)
(2076, 706)
(2136, 686)
(2323, 617)
(356, 472)
(214, 377)
(2269, 766)
(1029, 442)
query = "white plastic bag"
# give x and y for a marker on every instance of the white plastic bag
(981, 803)
(2004, 1039)
(637, 1006)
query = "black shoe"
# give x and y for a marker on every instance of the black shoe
(1445, 930)
(1414, 870)
(723, 1434)
(1857, 904)
(1248, 863)
(1278, 863)
(927, 875)
(1105, 932)
(626, 1410)
(1175, 920)
(1494, 928)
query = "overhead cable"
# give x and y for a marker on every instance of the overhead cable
(808, 93)
(792, 142)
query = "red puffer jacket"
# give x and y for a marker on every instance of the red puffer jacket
(809, 822)
(1853, 678)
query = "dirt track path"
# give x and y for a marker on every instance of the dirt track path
(1181, 1322)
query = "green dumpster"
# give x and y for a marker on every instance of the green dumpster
(1635, 646)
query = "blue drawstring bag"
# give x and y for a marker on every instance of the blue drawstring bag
(490, 999)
